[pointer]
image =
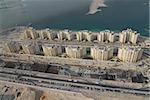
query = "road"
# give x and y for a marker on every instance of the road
(33, 80)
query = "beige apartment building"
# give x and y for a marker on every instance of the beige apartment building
(128, 36)
(102, 53)
(130, 54)
(51, 50)
(75, 51)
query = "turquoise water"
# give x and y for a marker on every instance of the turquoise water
(71, 14)
(119, 14)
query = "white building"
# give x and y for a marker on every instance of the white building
(101, 37)
(30, 33)
(103, 53)
(11, 47)
(30, 48)
(51, 50)
(112, 37)
(130, 54)
(123, 37)
(106, 35)
(43, 33)
(47, 34)
(51, 35)
(82, 35)
(75, 51)
(65, 35)
(128, 36)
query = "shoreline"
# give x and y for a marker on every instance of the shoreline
(145, 35)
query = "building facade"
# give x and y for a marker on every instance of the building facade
(128, 36)
(103, 53)
(51, 50)
(130, 54)
(75, 51)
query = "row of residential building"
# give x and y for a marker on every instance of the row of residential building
(125, 54)
(102, 53)
(130, 54)
(128, 36)
(84, 35)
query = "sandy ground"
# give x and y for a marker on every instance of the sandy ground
(8, 92)
(95, 5)
(63, 95)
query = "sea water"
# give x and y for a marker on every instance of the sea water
(71, 14)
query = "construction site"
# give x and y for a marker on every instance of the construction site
(76, 61)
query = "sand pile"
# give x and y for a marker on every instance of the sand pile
(95, 6)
